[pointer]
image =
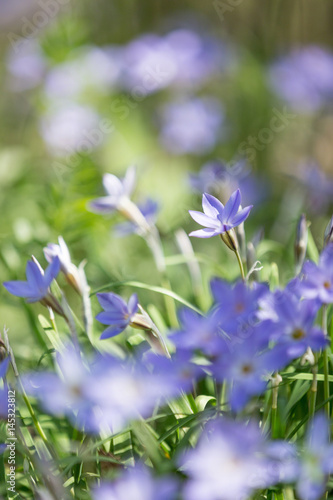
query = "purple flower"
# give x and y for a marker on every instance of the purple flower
(304, 78)
(26, 66)
(247, 368)
(105, 393)
(236, 306)
(116, 313)
(229, 463)
(4, 390)
(149, 211)
(137, 484)
(316, 460)
(318, 279)
(37, 286)
(118, 192)
(293, 324)
(69, 129)
(192, 126)
(217, 218)
(198, 333)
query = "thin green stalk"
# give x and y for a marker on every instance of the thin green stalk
(240, 263)
(325, 361)
(313, 390)
(276, 380)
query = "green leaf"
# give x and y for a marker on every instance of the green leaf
(202, 401)
(299, 390)
(51, 333)
(151, 288)
(123, 447)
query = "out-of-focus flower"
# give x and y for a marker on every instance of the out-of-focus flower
(149, 210)
(317, 185)
(192, 126)
(89, 69)
(230, 463)
(293, 323)
(318, 279)
(217, 218)
(181, 58)
(116, 313)
(26, 66)
(37, 286)
(105, 393)
(247, 368)
(137, 484)
(236, 306)
(316, 460)
(198, 333)
(118, 192)
(304, 78)
(71, 272)
(70, 129)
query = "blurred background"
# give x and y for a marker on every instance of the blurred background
(200, 96)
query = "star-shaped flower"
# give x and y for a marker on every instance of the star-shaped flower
(217, 218)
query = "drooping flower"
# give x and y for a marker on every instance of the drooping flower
(137, 484)
(118, 192)
(116, 313)
(316, 460)
(217, 218)
(37, 286)
(229, 463)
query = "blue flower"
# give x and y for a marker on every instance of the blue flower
(139, 484)
(217, 218)
(198, 333)
(37, 286)
(293, 324)
(116, 313)
(316, 460)
(318, 279)
(230, 462)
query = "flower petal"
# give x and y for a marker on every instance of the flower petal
(129, 181)
(232, 206)
(34, 275)
(112, 185)
(204, 233)
(112, 302)
(51, 272)
(19, 288)
(133, 304)
(110, 318)
(112, 331)
(103, 205)
(211, 205)
(204, 220)
(241, 216)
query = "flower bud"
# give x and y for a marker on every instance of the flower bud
(152, 334)
(230, 239)
(328, 235)
(301, 242)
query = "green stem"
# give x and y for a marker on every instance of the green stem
(240, 263)
(313, 390)
(325, 361)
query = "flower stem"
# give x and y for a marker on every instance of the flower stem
(241, 267)
(325, 362)
(313, 390)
